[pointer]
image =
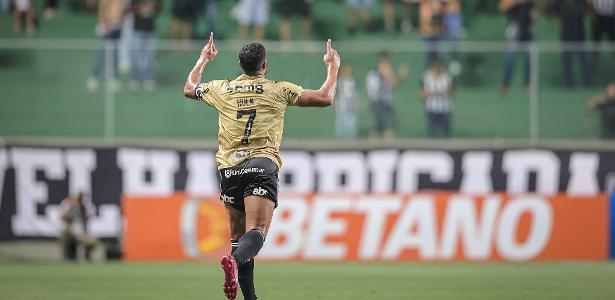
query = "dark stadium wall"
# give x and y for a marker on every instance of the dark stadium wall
(34, 180)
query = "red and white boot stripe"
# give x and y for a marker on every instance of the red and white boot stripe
(231, 284)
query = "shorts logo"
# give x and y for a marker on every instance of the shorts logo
(259, 191)
(230, 172)
(227, 199)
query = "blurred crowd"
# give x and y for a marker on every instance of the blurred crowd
(442, 21)
(132, 24)
(436, 91)
(571, 16)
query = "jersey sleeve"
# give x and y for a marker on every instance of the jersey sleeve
(290, 92)
(209, 92)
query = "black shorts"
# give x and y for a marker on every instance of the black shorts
(257, 176)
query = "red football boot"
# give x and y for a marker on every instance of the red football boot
(231, 284)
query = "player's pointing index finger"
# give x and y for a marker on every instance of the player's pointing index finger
(211, 38)
(328, 45)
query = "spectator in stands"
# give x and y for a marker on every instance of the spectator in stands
(356, 9)
(110, 18)
(51, 7)
(23, 10)
(519, 32)
(210, 13)
(184, 14)
(346, 104)
(5, 6)
(126, 40)
(90, 6)
(432, 27)
(453, 28)
(603, 22)
(253, 13)
(572, 31)
(380, 82)
(86, 7)
(437, 92)
(295, 8)
(605, 103)
(486, 6)
(75, 214)
(389, 15)
(144, 44)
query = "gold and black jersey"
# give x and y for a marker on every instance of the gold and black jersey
(250, 116)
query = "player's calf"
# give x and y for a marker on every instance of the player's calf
(249, 246)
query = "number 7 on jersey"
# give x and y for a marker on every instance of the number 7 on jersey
(248, 130)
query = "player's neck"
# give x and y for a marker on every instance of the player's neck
(260, 74)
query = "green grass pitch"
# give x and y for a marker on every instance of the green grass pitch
(310, 281)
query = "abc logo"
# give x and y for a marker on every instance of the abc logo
(259, 191)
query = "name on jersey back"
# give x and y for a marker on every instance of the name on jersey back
(245, 102)
(247, 88)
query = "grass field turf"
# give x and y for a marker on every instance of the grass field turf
(310, 281)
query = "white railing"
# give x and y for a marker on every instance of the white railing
(535, 50)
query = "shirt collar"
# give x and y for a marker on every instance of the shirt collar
(246, 77)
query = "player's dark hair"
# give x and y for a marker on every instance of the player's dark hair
(251, 57)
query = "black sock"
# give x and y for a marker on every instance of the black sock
(234, 245)
(246, 275)
(246, 280)
(249, 245)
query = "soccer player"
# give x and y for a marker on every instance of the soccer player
(251, 121)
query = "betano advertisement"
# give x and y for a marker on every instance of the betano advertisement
(383, 204)
(425, 226)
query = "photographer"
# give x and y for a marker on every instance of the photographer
(75, 236)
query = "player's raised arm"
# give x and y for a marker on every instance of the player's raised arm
(325, 95)
(208, 53)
